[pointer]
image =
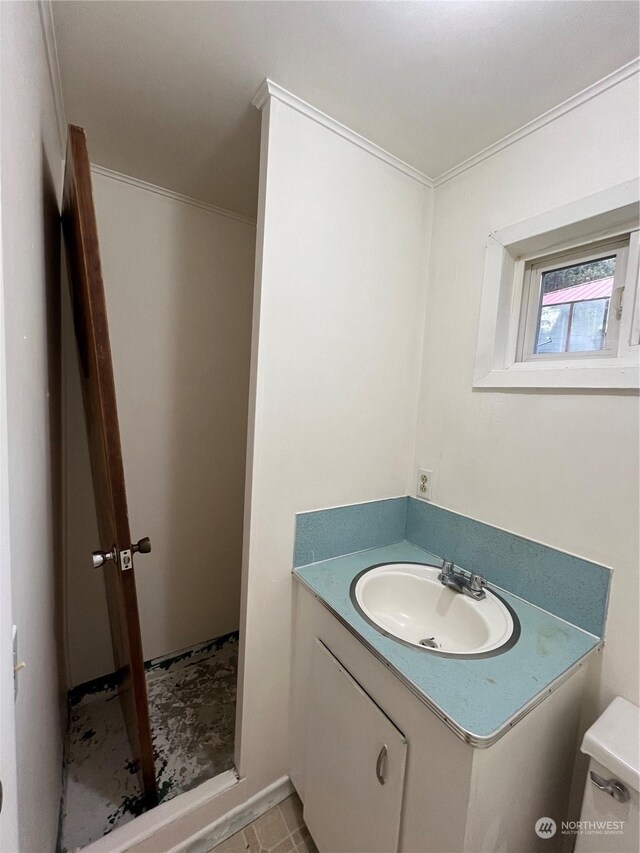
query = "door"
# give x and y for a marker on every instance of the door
(355, 765)
(98, 389)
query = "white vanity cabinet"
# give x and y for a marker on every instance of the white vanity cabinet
(440, 793)
(355, 760)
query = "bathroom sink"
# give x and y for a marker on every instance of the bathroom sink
(407, 602)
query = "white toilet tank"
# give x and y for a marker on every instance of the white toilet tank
(609, 817)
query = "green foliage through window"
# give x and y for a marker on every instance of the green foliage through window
(567, 277)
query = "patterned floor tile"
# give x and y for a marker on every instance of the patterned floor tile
(279, 830)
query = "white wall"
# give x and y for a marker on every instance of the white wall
(31, 178)
(339, 284)
(179, 284)
(560, 466)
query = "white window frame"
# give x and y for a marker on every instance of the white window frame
(581, 226)
(534, 271)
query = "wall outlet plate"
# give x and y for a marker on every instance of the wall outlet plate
(424, 484)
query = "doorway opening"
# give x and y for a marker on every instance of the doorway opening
(177, 291)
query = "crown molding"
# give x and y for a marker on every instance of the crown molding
(269, 89)
(185, 199)
(535, 124)
(51, 52)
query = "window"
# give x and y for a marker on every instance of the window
(572, 304)
(560, 306)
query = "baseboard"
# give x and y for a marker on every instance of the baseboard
(237, 818)
(212, 645)
(110, 680)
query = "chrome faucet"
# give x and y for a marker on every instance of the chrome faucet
(465, 582)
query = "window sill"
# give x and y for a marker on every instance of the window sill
(568, 373)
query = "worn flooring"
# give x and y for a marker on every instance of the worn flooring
(280, 830)
(192, 699)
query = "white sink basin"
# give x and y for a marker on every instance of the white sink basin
(407, 602)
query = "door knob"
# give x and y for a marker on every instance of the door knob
(142, 546)
(102, 557)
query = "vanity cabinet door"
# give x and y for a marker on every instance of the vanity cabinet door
(355, 765)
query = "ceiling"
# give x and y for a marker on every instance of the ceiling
(164, 89)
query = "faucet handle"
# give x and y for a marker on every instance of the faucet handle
(447, 567)
(477, 583)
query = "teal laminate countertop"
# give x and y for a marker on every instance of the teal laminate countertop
(480, 699)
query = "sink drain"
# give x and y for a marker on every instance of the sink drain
(429, 643)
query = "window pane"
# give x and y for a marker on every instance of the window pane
(588, 325)
(574, 307)
(552, 331)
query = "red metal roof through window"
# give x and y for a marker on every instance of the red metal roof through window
(599, 289)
